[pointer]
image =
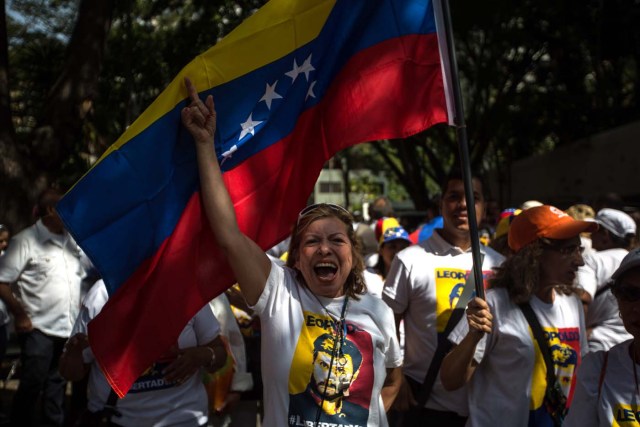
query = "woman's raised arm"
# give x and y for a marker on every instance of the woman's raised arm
(248, 261)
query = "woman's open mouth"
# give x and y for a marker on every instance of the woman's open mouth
(325, 270)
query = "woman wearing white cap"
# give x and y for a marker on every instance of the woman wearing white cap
(607, 392)
(530, 320)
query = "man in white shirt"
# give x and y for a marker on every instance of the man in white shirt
(611, 242)
(40, 277)
(423, 287)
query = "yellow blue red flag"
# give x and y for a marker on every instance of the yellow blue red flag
(293, 84)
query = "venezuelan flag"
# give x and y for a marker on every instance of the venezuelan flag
(294, 84)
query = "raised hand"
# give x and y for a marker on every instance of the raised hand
(199, 118)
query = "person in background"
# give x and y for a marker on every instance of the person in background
(495, 351)
(607, 391)
(229, 409)
(249, 324)
(499, 242)
(582, 212)
(433, 220)
(423, 288)
(611, 242)
(484, 235)
(393, 238)
(365, 232)
(320, 291)
(169, 393)
(40, 282)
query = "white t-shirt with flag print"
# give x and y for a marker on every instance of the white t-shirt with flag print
(618, 402)
(298, 336)
(510, 380)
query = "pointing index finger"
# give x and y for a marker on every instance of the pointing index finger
(191, 89)
(195, 98)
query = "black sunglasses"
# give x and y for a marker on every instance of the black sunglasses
(627, 292)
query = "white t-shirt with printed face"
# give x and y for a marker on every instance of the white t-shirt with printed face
(602, 314)
(151, 400)
(510, 380)
(46, 272)
(617, 403)
(299, 334)
(423, 285)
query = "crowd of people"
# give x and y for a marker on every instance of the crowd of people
(352, 323)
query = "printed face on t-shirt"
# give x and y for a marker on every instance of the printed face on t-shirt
(332, 382)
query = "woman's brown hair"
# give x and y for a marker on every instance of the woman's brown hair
(520, 273)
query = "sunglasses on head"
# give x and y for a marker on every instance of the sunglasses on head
(336, 208)
(627, 292)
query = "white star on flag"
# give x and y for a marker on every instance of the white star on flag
(270, 94)
(248, 127)
(306, 67)
(294, 72)
(310, 91)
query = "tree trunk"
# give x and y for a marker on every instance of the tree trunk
(27, 169)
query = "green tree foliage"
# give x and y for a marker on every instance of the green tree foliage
(75, 73)
(534, 74)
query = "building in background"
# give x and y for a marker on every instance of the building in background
(581, 171)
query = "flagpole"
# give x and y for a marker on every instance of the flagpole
(463, 146)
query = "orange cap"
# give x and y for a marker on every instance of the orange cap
(545, 221)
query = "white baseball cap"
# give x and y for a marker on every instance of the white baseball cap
(617, 222)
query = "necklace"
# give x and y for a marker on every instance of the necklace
(339, 324)
(339, 332)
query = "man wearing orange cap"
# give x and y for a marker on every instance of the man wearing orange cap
(423, 286)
